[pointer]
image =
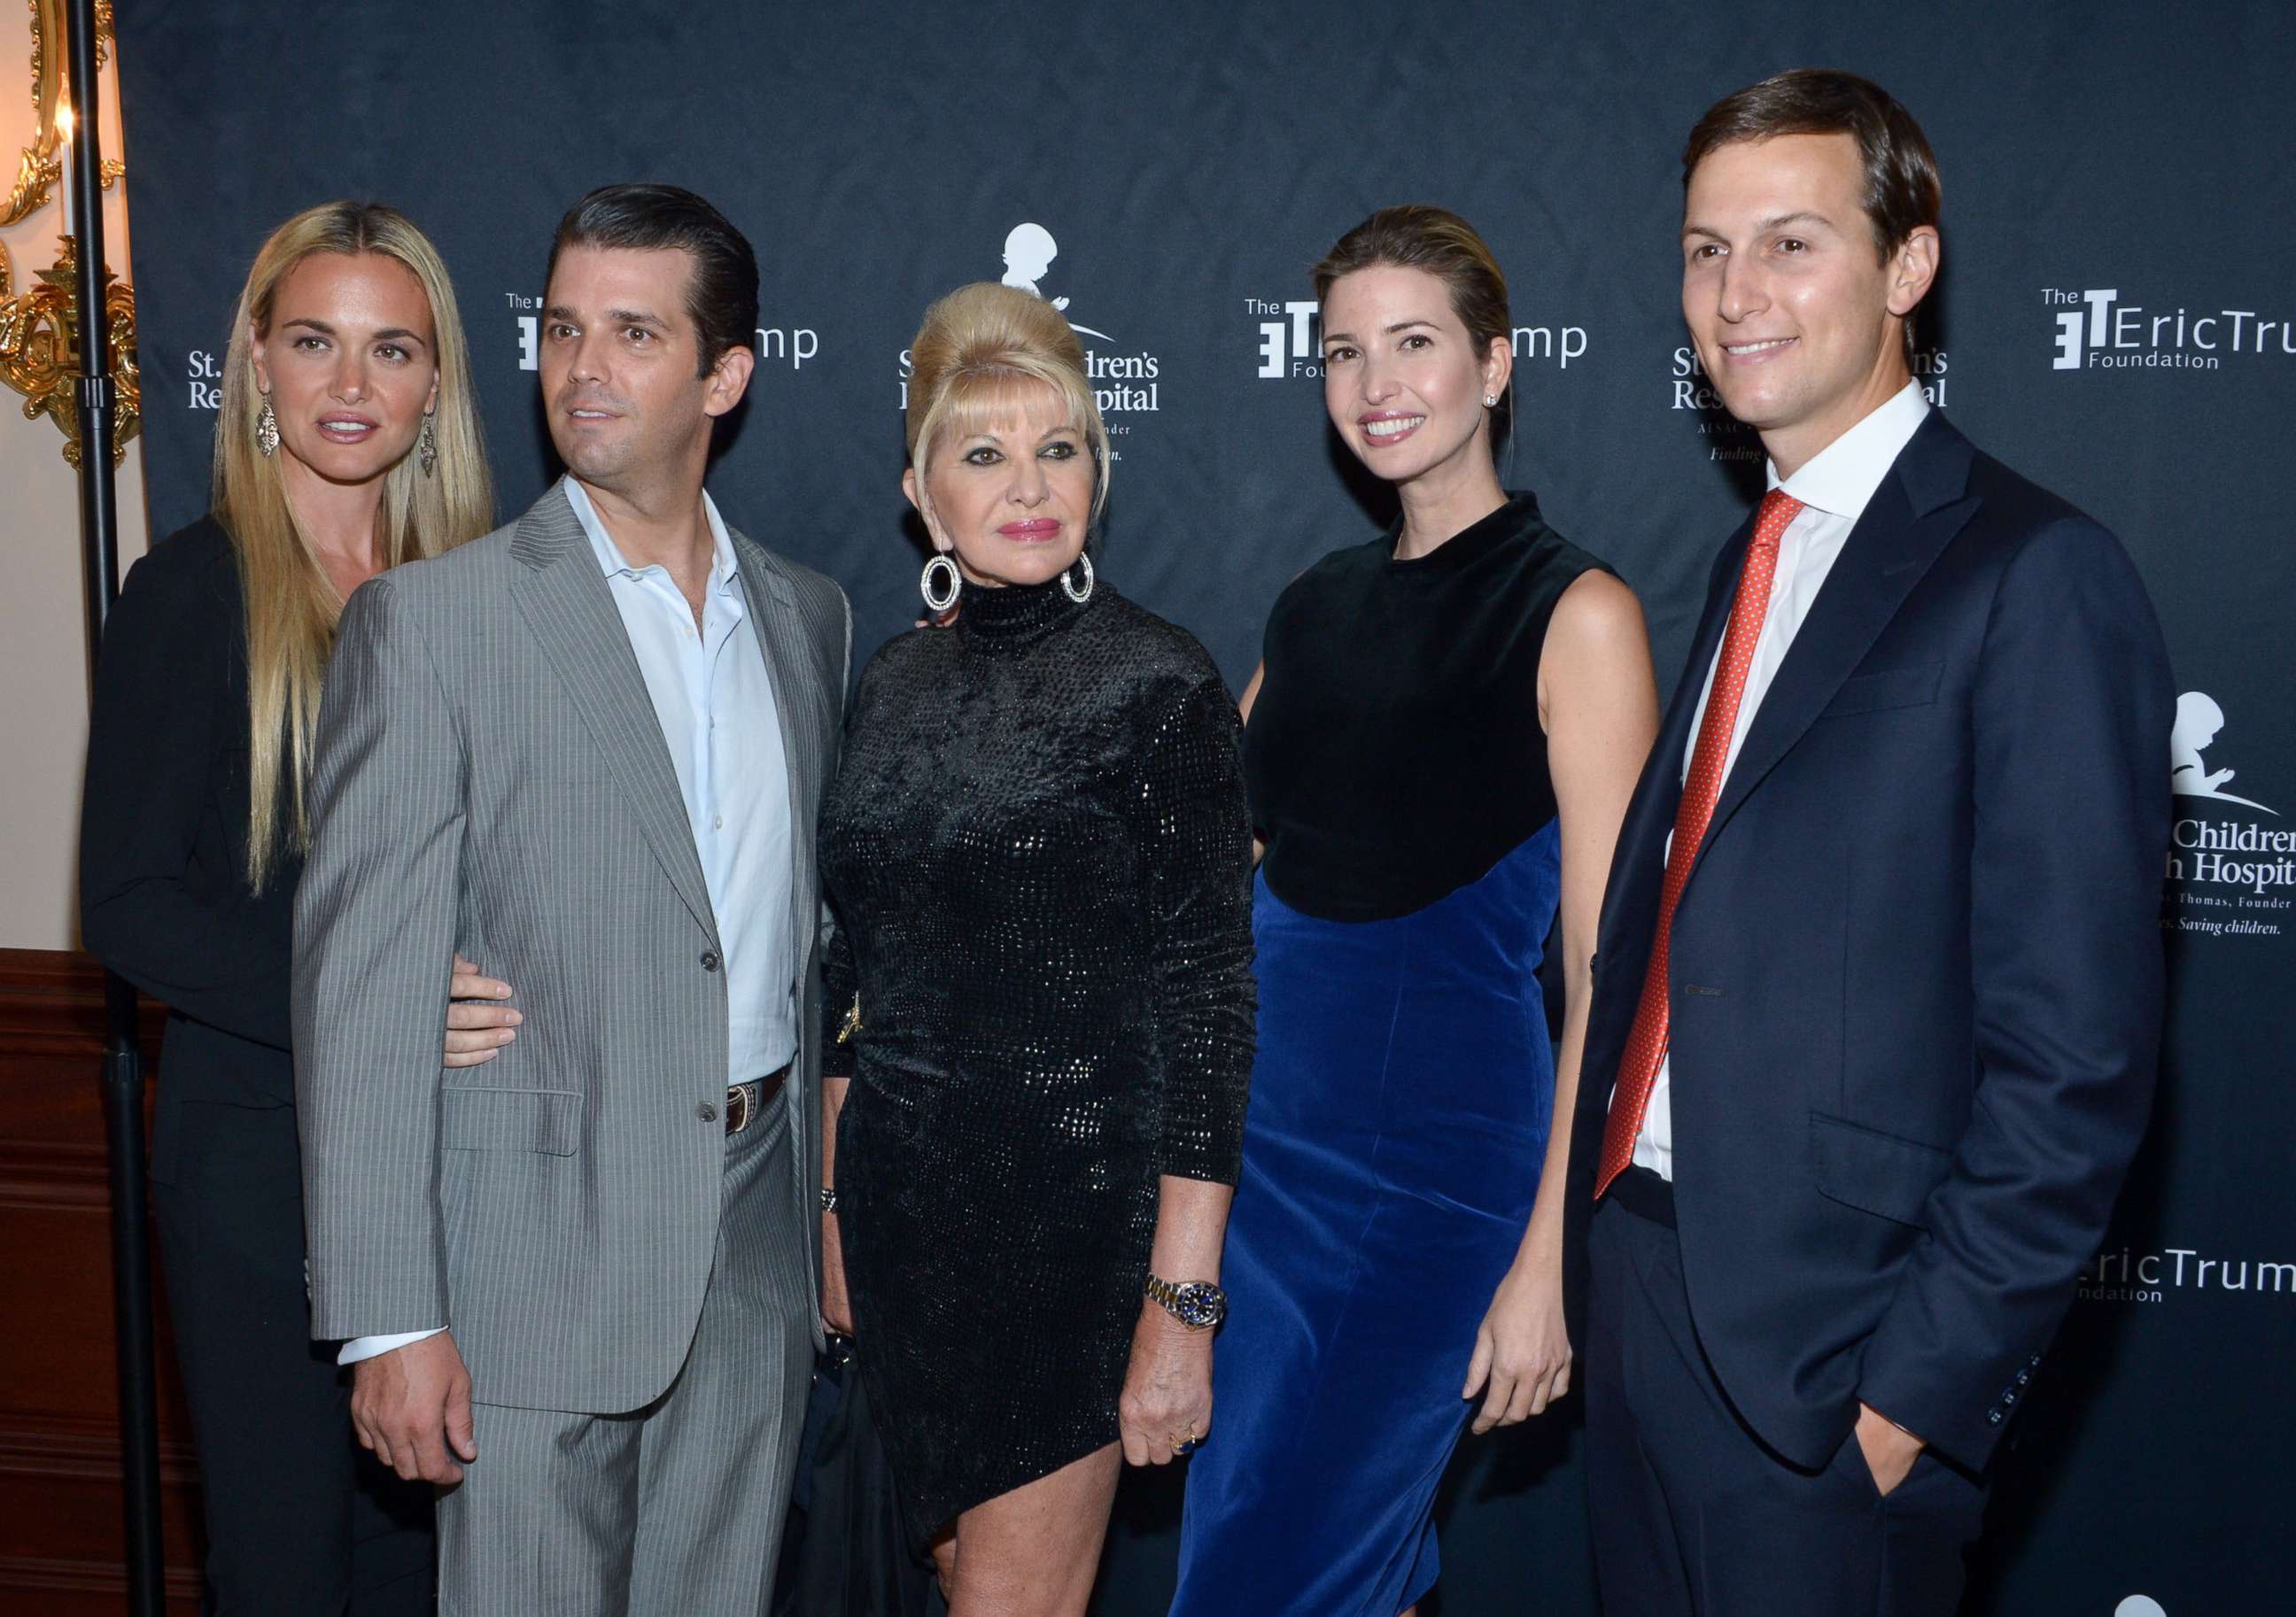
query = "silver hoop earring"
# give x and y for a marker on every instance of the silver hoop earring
(1072, 592)
(427, 451)
(266, 430)
(1490, 401)
(954, 580)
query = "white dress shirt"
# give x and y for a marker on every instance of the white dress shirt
(1834, 489)
(714, 699)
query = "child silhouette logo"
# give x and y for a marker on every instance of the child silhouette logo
(2198, 720)
(1029, 251)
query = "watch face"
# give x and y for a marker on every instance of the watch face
(1199, 1305)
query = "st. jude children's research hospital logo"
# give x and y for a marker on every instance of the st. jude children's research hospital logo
(2232, 873)
(2098, 330)
(1692, 390)
(1122, 383)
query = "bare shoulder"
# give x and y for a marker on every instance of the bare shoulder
(1596, 620)
(1595, 666)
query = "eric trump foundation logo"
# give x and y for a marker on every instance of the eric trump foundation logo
(1291, 343)
(2134, 1274)
(783, 344)
(2099, 330)
(2232, 871)
(1124, 382)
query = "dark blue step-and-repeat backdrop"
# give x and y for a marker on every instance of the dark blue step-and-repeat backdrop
(2117, 319)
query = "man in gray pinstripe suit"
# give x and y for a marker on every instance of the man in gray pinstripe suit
(578, 1283)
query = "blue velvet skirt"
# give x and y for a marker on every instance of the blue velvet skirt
(1400, 1112)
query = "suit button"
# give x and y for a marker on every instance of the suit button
(709, 960)
(706, 1112)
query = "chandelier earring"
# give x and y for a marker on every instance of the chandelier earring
(427, 451)
(940, 571)
(266, 429)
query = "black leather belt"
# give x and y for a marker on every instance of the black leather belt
(745, 1102)
(1645, 1194)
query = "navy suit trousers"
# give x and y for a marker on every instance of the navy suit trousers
(1693, 1517)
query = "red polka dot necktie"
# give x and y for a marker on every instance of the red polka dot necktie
(1646, 1043)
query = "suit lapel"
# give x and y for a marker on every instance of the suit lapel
(571, 608)
(1913, 516)
(796, 700)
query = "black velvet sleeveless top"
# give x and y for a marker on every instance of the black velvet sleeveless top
(1395, 753)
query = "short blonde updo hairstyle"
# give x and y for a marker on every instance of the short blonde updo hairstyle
(978, 352)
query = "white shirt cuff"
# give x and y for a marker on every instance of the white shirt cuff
(369, 1347)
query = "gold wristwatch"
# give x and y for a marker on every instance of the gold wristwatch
(1198, 1304)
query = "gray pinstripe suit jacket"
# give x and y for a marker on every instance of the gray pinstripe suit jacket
(490, 776)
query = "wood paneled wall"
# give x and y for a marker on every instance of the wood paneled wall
(60, 1536)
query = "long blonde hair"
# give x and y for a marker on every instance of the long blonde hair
(292, 604)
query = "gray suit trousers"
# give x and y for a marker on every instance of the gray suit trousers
(675, 1509)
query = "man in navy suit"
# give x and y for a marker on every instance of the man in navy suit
(1879, 981)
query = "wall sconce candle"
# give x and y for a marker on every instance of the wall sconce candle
(63, 171)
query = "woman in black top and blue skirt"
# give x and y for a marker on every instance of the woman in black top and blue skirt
(347, 442)
(1439, 746)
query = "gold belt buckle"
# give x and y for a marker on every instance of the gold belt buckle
(741, 1104)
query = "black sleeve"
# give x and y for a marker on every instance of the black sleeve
(840, 1005)
(150, 908)
(841, 999)
(1198, 849)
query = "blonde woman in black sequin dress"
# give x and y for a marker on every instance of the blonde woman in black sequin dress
(1039, 858)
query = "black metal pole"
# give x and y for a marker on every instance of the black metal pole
(122, 1073)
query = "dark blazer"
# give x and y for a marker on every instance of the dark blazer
(164, 897)
(1915, 985)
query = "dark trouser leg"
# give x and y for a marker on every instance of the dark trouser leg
(1694, 1516)
(300, 1521)
(1928, 1523)
(1638, 1557)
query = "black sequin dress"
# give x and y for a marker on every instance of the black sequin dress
(1038, 852)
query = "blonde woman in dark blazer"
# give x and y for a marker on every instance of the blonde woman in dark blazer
(347, 442)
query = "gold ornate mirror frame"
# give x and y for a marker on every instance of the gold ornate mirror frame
(39, 326)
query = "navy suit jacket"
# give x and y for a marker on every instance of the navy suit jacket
(1915, 978)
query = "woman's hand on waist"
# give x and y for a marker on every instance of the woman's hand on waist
(479, 1020)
